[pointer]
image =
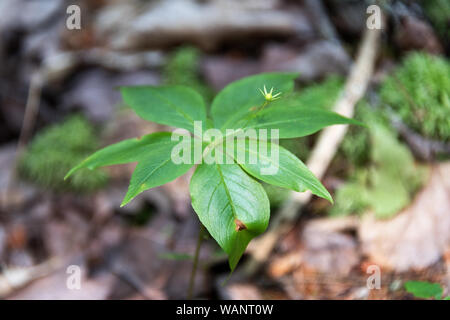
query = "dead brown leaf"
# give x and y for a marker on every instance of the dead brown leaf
(416, 237)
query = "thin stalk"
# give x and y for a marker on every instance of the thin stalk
(195, 263)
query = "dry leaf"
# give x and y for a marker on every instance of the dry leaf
(416, 237)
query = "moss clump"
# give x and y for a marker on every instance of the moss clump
(55, 150)
(182, 68)
(419, 92)
(385, 176)
(355, 148)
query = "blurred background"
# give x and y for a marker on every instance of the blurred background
(59, 103)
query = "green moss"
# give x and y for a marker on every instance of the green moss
(58, 148)
(385, 177)
(182, 68)
(419, 92)
(355, 148)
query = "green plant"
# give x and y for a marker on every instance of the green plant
(355, 148)
(385, 176)
(419, 92)
(229, 202)
(425, 290)
(57, 149)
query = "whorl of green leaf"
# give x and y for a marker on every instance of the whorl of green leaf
(229, 202)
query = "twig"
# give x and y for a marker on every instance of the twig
(31, 110)
(13, 279)
(137, 284)
(29, 120)
(324, 151)
(195, 263)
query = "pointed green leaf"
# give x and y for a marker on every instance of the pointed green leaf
(153, 153)
(176, 106)
(155, 170)
(275, 165)
(237, 99)
(232, 206)
(294, 122)
(126, 151)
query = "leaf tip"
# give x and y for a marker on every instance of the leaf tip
(328, 197)
(359, 123)
(232, 265)
(68, 174)
(125, 201)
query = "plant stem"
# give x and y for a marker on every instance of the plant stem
(195, 264)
